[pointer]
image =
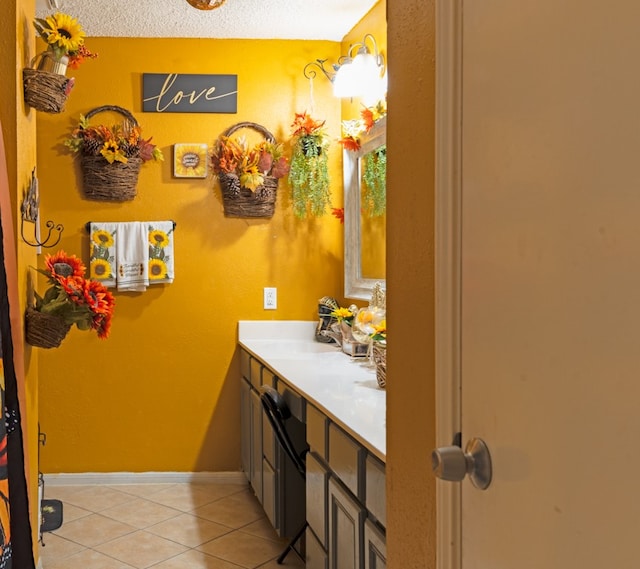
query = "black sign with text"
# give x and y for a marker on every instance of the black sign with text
(175, 93)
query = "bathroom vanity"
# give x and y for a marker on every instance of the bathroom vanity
(338, 410)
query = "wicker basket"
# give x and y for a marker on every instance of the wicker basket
(45, 91)
(44, 330)
(380, 359)
(115, 182)
(239, 201)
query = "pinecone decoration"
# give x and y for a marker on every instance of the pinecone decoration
(230, 184)
(91, 146)
(263, 193)
(130, 150)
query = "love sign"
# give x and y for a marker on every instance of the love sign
(174, 93)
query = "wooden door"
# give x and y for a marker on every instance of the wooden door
(540, 239)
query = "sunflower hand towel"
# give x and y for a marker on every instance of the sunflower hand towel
(132, 255)
(161, 252)
(102, 262)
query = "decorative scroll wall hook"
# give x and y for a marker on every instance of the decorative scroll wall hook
(30, 212)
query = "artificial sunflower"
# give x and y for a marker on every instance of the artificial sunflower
(62, 33)
(113, 153)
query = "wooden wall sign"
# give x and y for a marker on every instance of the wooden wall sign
(174, 93)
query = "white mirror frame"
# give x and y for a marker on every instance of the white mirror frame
(355, 285)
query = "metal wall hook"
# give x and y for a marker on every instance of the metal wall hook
(30, 212)
(51, 226)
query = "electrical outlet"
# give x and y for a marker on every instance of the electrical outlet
(270, 298)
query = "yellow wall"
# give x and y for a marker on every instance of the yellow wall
(161, 394)
(19, 130)
(410, 285)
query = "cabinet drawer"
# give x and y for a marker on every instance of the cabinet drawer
(268, 378)
(293, 400)
(375, 490)
(316, 495)
(346, 458)
(256, 373)
(245, 365)
(317, 431)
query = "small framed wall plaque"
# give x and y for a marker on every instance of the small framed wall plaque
(190, 160)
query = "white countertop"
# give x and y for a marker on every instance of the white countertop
(344, 388)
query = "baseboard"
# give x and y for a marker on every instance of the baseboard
(114, 478)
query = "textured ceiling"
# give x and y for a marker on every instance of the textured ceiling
(259, 19)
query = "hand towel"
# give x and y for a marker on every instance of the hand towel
(132, 256)
(103, 266)
(161, 252)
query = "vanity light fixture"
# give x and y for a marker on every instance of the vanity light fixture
(360, 73)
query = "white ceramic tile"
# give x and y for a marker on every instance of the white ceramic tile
(141, 549)
(189, 530)
(93, 530)
(234, 511)
(140, 513)
(87, 559)
(242, 548)
(193, 559)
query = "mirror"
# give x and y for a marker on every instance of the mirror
(365, 214)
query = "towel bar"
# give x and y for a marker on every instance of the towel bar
(87, 225)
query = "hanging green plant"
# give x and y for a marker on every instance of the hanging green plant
(374, 196)
(309, 168)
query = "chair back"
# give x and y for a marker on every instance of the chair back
(277, 411)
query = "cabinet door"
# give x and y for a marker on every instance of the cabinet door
(315, 555)
(270, 492)
(316, 490)
(245, 427)
(375, 548)
(346, 520)
(255, 471)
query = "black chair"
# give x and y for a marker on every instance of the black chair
(277, 411)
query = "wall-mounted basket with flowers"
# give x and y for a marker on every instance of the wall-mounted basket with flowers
(111, 156)
(309, 174)
(46, 87)
(70, 299)
(248, 174)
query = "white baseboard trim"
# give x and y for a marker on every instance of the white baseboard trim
(113, 478)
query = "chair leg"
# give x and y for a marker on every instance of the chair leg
(290, 545)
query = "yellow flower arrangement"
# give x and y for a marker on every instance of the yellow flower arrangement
(344, 314)
(63, 35)
(250, 165)
(115, 143)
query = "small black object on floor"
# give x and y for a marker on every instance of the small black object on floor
(51, 515)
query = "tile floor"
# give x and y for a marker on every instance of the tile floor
(164, 526)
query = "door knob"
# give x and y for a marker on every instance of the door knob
(453, 464)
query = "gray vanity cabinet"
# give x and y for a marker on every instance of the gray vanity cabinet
(272, 475)
(345, 499)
